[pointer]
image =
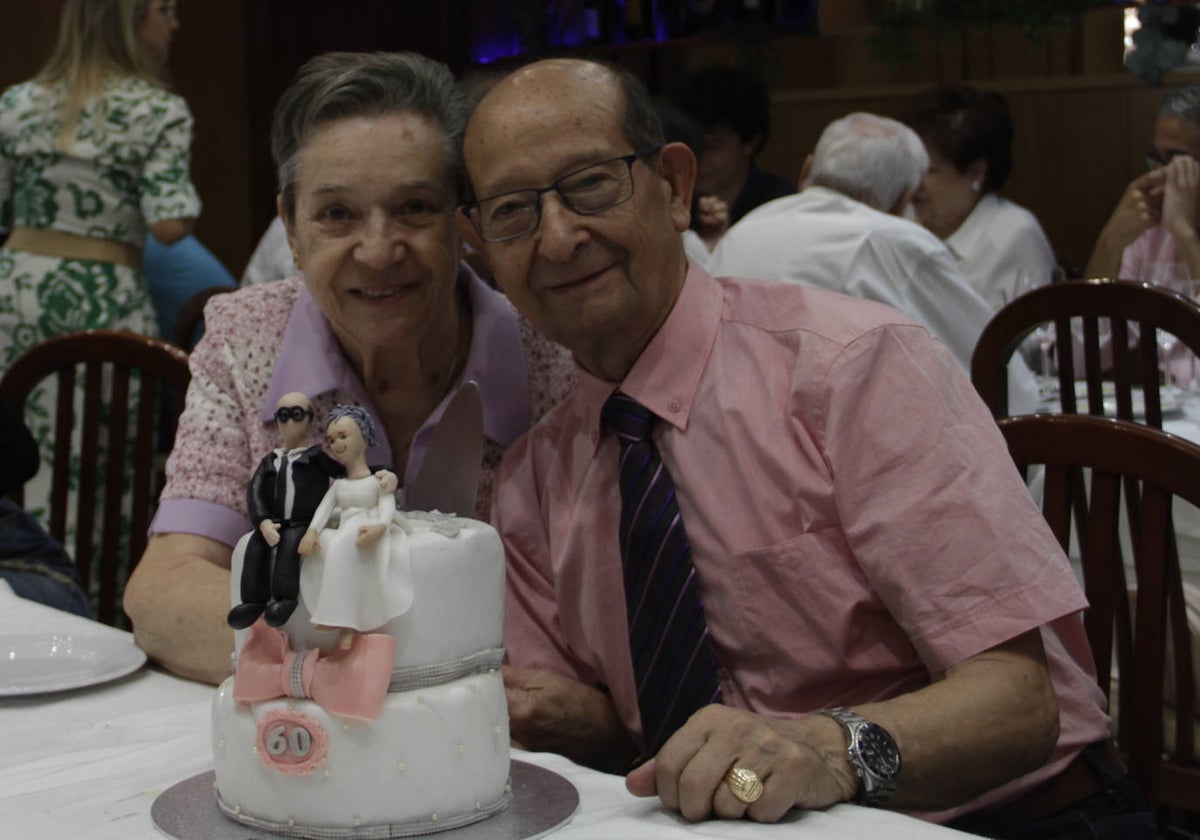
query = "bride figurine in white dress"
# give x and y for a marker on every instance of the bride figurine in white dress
(355, 577)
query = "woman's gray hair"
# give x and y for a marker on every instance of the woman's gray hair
(1182, 102)
(338, 85)
(359, 415)
(870, 158)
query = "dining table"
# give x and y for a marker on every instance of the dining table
(89, 756)
(1180, 417)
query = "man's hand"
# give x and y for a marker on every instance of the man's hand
(387, 481)
(270, 531)
(800, 763)
(553, 713)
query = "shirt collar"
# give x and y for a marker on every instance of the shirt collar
(311, 361)
(966, 239)
(666, 375)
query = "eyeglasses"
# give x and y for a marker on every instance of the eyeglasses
(170, 9)
(292, 412)
(588, 191)
(1156, 159)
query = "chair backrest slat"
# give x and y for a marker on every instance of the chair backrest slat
(1162, 468)
(118, 478)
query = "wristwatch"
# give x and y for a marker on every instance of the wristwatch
(873, 755)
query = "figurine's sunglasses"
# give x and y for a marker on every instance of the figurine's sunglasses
(292, 412)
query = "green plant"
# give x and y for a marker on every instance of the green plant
(893, 41)
(1163, 41)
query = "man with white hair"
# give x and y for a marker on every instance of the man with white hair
(844, 232)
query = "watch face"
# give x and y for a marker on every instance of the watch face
(878, 751)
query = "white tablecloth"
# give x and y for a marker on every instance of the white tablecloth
(89, 763)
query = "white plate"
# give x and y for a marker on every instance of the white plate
(41, 662)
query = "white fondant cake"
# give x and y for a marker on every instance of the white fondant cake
(435, 758)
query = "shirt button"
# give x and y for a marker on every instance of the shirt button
(673, 406)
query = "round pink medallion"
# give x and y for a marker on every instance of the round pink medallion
(291, 742)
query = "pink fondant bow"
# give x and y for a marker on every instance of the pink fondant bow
(351, 683)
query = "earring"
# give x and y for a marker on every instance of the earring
(296, 259)
(974, 186)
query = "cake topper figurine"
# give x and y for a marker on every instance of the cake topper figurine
(356, 577)
(282, 497)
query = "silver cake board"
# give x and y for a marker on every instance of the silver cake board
(542, 801)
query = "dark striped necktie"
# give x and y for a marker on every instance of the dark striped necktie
(673, 661)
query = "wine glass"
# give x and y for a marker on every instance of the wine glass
(1024, 282)
(1174, 276)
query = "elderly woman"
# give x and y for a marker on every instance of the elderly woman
(968, 134)
(386, 317)
(1154, 225)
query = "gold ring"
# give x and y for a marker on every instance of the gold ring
(744, 784)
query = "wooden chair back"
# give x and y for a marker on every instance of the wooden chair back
(191, 316)
(107, 363)
(1088, 462)
(1131, 358)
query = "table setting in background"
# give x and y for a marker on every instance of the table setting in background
(92, 760)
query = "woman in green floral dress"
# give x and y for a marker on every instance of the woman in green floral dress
(94, 153)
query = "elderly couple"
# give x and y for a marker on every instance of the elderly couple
(871, 605)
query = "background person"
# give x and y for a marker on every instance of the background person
(94, 153)
(1155, 222)
(968, 134)
(844, 232)
(854, 526)
(734, 114)
(385, 317)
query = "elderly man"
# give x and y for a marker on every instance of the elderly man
(820, 578)
(844, 232)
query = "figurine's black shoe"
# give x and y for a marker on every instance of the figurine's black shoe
(280, 611)
(243, 615)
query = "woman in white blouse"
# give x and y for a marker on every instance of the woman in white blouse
(968, 134)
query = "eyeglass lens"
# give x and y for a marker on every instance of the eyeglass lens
(588, 191)
(294, 413)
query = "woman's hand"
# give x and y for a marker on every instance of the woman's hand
(712, 219)
(309, 543)
(1179, 196)
(368, 535)
(1139, 209)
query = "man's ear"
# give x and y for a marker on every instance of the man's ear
(677, 166)
(902, 202)
(805, 171)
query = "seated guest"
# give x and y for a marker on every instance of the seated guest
(174, 273)
(968, 134)
(843, 232)
(710, 215)
(831, 511)
(32, 562)
(366, 147)
(734, 112)
(1153, 234)
(1155, 222)
(272, 257)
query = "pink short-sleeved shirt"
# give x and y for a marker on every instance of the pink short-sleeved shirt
(270, 339)
(856, 521)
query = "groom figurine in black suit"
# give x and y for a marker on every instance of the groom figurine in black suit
(282, 497)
